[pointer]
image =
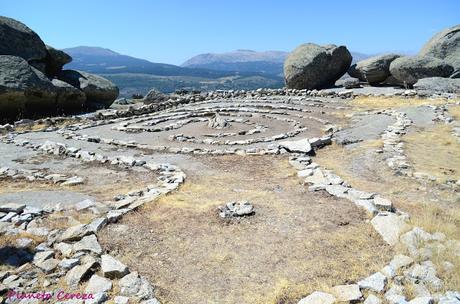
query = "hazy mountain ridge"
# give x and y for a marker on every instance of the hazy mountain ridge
(135, 75)
(267, 62)
(102, 61)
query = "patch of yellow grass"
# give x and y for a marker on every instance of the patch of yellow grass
(434, 151)
(455, 112)
(436, 218)
(365, 102)
(10, 240)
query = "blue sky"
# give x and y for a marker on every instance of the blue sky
(172, 31)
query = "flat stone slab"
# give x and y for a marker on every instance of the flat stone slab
(390, 226)
(301, 146)
(364, 127)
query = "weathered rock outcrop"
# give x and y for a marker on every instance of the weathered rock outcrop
(28, 86)
(99, 91)
(445, 45)
(55, 60)
(69, 99)
(311, 66)
(373, 70)
(438, 84)
(18, 40)
(410, 69)
(154, 96)
(23, 88)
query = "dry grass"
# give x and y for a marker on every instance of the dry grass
(65, 219)
(434, 151)
(432, 208)
(296, 242)
(9, 242)
(455, 112)
(365, 102)
(100, 183)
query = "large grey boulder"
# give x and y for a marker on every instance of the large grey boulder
(410, 69)
(373, 70)
(55, 60)
(23, 89)
(18, 40)
(154, 96)
(438, 84)
(99, 91)
(445, 45)
(311, 66)
(69, 99)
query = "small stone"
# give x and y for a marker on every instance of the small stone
(73, 181)
(388, 271)
(43, 255)
(419, 290)
(112, 268)
(23, 242)
(88, 243)
(389, 226)
(98, 284)
(48, 265)
(305, 173)
(64, 248)
(395, 299)
(69, 263)
(236, 209)
(372, 299)
(97, 224)
(318, 297)
(347, 293)
(383, 204)
(12, 207)
(75, 233)
(299, 146)
(99, 298)
(75, 275)
(422, 300)
(401, 261)
(85, 204)
(375, 282)
(151, 301)
(121, 300)
(132, 285)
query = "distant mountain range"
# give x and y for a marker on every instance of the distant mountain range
(105, 61)
(240, 69)
(268, 62)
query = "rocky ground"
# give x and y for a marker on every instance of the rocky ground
(355, 197)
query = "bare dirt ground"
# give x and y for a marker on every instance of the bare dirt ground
(101, 182)
(297, 241)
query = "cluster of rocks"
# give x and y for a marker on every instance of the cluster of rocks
(32, 81)
(185, 116)
(236, 209)
(415, 272)
(311, 66)
(73, 254)
(175, 100)
(393, 145)
(22, 217)
(392, 142)
(37, 175)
